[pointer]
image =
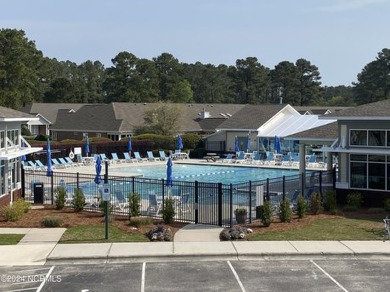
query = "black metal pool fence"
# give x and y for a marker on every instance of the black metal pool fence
(197, 202)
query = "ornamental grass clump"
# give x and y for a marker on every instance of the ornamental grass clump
(52, 221)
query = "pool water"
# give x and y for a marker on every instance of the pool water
(209, 173)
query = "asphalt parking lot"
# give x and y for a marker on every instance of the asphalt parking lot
(259, 275)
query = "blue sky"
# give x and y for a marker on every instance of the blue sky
(338, 36)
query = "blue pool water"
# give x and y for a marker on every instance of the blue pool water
(203, 173)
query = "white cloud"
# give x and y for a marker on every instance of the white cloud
(345, 5)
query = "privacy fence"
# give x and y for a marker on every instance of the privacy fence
(197, 202)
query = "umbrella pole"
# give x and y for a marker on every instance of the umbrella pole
(107, 202)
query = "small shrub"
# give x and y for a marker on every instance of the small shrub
(315, 203)
(134, 205)
(376, 210)
(60, 197)
(78, 201)
(387, 205)
(266, 213)
(160, 233)
(301, 206)
(169, 210)
(52, 221)
(22, 204)
(12, 213)
(355, 200)
(102, 206)
(285, 213)
(140, 221)
(330, 201)
(349, 209)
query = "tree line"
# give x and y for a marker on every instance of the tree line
(27, 76)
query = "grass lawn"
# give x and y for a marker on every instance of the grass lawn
(96, 233)
(9, 239)
(329, 229)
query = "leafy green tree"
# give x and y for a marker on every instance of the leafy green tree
(374, 80)
(19, 67)
(161, 121)
(309, 85)
(338, 96)
(285, 83)
(251, 81)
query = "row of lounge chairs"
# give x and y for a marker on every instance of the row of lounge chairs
(289, 159)
(128, 158)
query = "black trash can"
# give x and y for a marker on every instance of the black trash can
(38, 193)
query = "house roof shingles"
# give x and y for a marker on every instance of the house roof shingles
(379, 110)
(8, 113)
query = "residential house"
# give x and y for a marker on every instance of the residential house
(47, 115)
(11, 151)
(118, 120)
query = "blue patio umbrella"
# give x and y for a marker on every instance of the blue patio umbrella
(169, 172)
(129, 148)
(179, 143)
(236, 147)
(98, 167)
(23, 156)
(49, 171)
(277, 146)
(248, 143)
(86, 147)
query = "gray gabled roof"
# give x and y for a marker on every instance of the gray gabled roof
(50, 110)
(11, 114)
(377, 110)
(125, 117)
(92, 118)
(251, 117)
(328, 132)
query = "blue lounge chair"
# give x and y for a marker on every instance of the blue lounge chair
(228, 158)
(151, 156)
(115, 158)
(40, 165)
(162, 155)
(71, 162)
(65, 163)
(139, 158)
(127, 157)
(270, 159)
(240, 157)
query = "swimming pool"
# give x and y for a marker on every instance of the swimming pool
(206, 173)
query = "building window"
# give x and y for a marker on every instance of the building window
(358, 137)
(2, 140)
(369, 172)
(376, 138)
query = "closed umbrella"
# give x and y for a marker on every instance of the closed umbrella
(179, 143)
(98, 167)
(248, 143)
(49, 171)
(129, 147)
(86, 147)
(169, 181)
(236, 147)
(277, 146)
(23, 156)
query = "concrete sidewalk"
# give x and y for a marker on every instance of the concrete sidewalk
(40, 247)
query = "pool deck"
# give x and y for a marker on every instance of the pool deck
(90, 169)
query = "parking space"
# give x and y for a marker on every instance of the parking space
(265, 275)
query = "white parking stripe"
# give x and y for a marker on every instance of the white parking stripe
(329, 276)
(46, 277)
(236, 276)
(143, 277)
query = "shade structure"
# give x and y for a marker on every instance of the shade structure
(23, 156)
(248, 143)
(169, 181)
(179, 143)
(98, 167)
(236, 147)
(129, 147)
(277, 146)
(49, 171)
(86, 146)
